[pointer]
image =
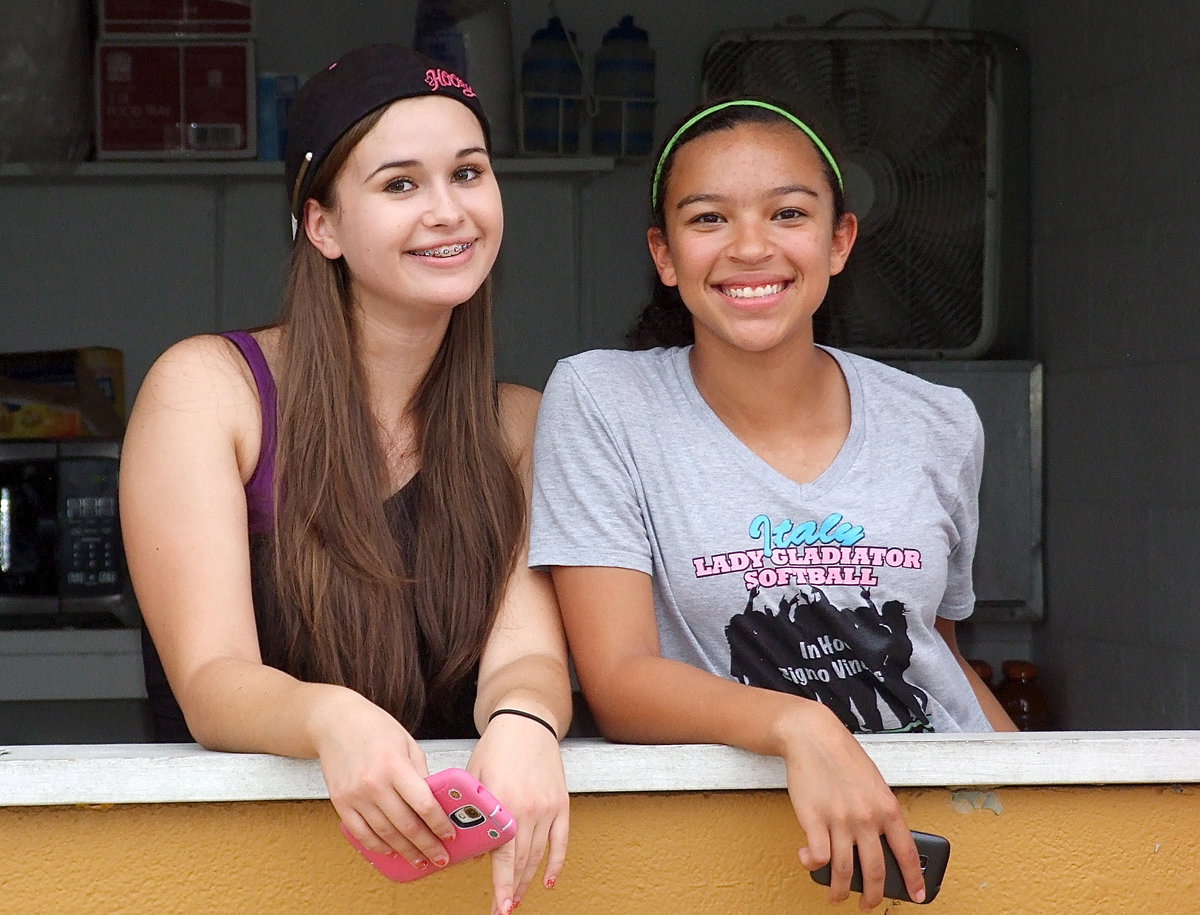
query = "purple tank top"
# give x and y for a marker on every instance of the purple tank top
(455, 721)
(260, 496)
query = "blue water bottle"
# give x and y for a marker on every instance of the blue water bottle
(624, 124)
(551, 89)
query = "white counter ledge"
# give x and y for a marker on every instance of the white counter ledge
(182, 773)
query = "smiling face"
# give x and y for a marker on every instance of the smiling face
(749, 236)
(416, 210)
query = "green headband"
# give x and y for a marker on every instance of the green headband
(750, 103)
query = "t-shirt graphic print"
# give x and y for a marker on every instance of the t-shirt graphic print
(850, 659)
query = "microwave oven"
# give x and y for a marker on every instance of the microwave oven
(61, 559)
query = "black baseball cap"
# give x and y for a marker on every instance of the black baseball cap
(338, 97)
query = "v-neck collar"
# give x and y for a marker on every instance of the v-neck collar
(830, 476)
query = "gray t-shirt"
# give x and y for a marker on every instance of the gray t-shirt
(827, 589)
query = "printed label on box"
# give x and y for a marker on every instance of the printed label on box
(216, 90)
(174, 99)
(139, 98)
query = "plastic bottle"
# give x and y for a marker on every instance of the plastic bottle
(275, 94)
(474, 39)
(1022, 697)
(551, 86)
(624, 124)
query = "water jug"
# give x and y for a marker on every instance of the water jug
(624, 124)
(474, 39)
(551, 89)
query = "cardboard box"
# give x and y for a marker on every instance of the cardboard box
(175, 100)
(179, 18)
(62, 393)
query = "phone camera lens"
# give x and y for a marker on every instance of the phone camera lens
(467, 816)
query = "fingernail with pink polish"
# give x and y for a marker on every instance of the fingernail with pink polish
(550, 881)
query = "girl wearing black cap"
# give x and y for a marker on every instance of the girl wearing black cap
(325, 520)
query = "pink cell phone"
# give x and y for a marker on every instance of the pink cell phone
(480, 824)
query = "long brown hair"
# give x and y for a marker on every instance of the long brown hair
(406, 633)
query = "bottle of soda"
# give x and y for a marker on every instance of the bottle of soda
(984, 669)
(1022, 696)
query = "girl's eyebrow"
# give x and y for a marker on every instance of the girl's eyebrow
(699, 198)
(416, 163)
(402, 163)
(774, 192)
(794, 189)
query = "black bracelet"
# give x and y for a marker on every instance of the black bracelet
(532, 717)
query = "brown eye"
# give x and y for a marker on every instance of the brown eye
(467, 173)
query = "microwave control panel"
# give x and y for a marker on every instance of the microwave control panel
(61, 558)
(89, 546)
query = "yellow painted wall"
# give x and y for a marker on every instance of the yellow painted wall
(1015, 851)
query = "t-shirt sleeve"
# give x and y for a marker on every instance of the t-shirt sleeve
(959, 600)
(586, 510)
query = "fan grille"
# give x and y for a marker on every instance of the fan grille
(907, 120)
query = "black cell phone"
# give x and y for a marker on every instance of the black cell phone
(935, 855)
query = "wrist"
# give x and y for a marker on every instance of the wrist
(329, 707)
(514, 712)
(798, 721)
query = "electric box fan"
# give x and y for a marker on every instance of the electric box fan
(930, 130)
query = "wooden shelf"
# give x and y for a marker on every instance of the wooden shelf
(564, 166)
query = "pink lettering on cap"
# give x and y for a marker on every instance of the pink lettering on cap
(443, 79)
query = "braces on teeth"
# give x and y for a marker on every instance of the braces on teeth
(445, 250)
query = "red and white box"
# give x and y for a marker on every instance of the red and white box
(176, 17)
(175, 100)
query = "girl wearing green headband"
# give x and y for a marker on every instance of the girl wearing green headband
(755, 540)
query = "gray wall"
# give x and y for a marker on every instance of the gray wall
(1116, 205)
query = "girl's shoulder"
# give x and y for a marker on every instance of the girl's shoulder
(518, 417)
(625, 361)
(518, 405)
(205, 368)
(201, 383)
(621, 375)
(892, 389)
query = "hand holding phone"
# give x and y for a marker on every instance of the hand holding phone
(935, 855)
(480, 824)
